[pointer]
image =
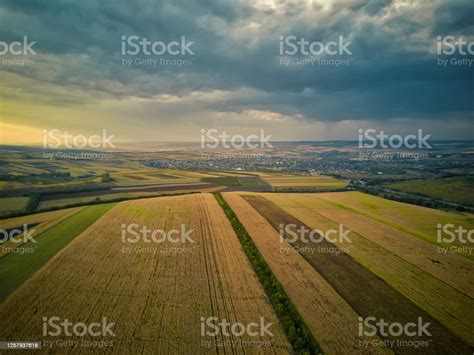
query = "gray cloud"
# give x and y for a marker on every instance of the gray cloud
(393, 71)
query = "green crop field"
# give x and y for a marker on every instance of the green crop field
(79, 200)
(223, 180)
(455, 189)
(9, 204)
(17, 267)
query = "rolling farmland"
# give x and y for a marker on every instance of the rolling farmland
(322, 308)
(288, 182)
(15, 267)
(13, 204)
(132, 193)
(82, 269)
(453, 189)
(156, 294)
(37, 223)
(237, 177)
(403, 283)
(57, 184)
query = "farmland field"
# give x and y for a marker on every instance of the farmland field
(454, 189)
(157, 175)
(9, 204)
(236, 180)
(443, 288)
(237, 177)
(403, 278)
(157, 294)
(420, 222)
(323, 309)
(37, 223)
(36, 218)
(62, 202)
(223, 180)
(288, 182)
(56, 201)
(15, 267)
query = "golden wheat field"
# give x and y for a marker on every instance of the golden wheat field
(156, 294)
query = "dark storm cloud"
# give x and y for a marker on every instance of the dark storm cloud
(393, 71)
(454, 17)
(375, 7)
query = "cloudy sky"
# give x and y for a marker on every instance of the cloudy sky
(235, 77)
